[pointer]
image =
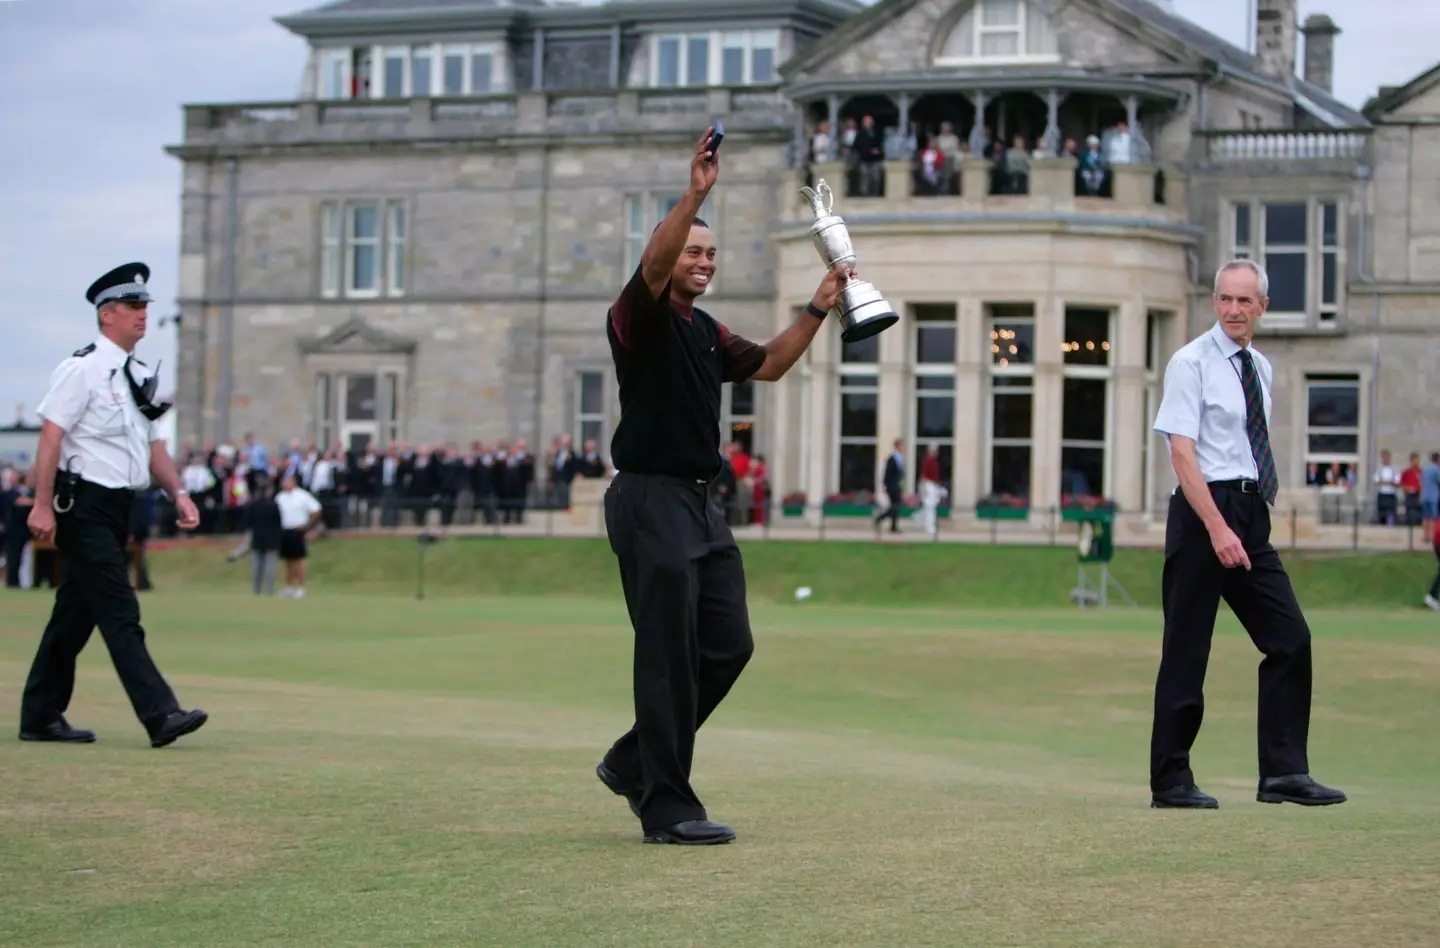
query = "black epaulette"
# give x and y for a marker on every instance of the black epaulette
(82, 353)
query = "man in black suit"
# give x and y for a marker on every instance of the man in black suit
(894, 478)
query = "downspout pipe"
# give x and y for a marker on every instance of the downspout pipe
(227, 320)
(1363, 275)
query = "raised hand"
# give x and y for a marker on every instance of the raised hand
(704, 169)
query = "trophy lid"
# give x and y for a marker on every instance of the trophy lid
(821, 198)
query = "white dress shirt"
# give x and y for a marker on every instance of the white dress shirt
(1205, 400)
(296, 507)
(107, 440)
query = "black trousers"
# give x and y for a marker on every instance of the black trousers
(94, 590)
(684, 585)
(1264, 602)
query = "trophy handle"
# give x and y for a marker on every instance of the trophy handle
(826, 195)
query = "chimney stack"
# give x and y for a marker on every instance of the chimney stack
(1320, 32)
(1275, 37)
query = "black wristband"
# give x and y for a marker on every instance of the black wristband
(814, 310)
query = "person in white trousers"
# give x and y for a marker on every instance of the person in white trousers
(930, 491)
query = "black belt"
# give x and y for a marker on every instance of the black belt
(1243, 484)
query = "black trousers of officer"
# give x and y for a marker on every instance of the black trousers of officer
(94, 590)
(1264, 602)
(684, 584)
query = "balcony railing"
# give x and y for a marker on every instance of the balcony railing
(1247, 147)
(1051, 186)
(745, 109)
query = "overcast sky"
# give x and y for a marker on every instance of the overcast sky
(93, 92)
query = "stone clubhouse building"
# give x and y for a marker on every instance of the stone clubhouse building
(421, 247)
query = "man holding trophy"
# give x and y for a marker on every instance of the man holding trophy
(680, 567)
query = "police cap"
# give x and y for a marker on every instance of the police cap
(123, 283)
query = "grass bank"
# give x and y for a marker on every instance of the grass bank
(838, 572)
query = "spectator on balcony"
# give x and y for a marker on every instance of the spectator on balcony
(948, 142)
(1119, 145)
(821, 144)
(870, 151)
(931, 170)
(1016, 168)
(1070, 150)
(1093, 171)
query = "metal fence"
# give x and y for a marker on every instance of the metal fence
(1331, 526)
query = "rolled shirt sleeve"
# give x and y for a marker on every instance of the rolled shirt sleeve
(1179, 412)
(69, 393)
(741, 357)
(636, 311)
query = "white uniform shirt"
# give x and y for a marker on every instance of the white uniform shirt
(296, 508)
(107, 441)
(1205, 400)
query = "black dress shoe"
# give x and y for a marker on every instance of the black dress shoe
(1297, 788)
(691, 833)
(177, 725)
(1184, 797)
(617, 786)
(58, 730)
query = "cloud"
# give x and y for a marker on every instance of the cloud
(88, 185)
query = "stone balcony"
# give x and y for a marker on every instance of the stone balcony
(1138, 196)
(1332, 151)
(648, 113)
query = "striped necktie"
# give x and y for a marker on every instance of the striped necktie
(1255, 427)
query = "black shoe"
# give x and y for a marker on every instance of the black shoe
(177, 725)
(1297, 788)
(691, 833)
(58, 730)
(1184, 797)
(617, 786)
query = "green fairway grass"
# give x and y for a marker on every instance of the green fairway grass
(922, 574)
(381, 771)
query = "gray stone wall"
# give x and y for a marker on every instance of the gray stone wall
(474, 261)
(898, 46)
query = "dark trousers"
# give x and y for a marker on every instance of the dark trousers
(684, 585)
(1435, 586)
(1264, 602)
(94, 590)
(892, 512)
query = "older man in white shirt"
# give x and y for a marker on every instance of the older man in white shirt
(1215, 414)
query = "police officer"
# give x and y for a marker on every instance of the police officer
(98, 446)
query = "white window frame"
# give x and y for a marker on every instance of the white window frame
(1151, 445)
(651, 207)
(436, 53)
(1019, 370)
(581, 418)
(332, 260)
(717, 41)
(729, 419)
(397, 233)
(867, 374)
(352, 243)
(1317, 314)
(976, 18)
(915, 442)
(330, 56)
(1321, 378)
(338, 243)
(1105, 373)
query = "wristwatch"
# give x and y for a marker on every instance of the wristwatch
(814, 310)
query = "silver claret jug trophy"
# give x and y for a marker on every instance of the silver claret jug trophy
(862, 310)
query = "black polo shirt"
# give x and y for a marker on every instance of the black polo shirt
(671, 359)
